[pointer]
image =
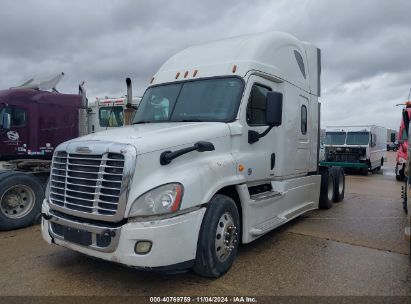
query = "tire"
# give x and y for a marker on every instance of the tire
(327, 192)
(21, 196)
(399, 173)
(364, 171)
(339, 184)
(219, 219)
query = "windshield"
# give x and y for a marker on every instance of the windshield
(200, 100)
(111, 116)
(335, 138)
(358, 138)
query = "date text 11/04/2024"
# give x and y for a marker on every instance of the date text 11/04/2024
(203, 299)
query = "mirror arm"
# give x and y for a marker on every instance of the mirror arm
(254, 136)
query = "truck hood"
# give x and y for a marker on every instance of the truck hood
(159, 136)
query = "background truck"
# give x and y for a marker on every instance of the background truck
(406, 189)
(34, 119)
(402, 149)
(359, 147)
(204, 166)
(110, 112)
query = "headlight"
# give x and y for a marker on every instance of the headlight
(160, 200)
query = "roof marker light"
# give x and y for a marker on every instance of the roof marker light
(152, 79)
(234, 68)
(178, 74)
(185, 74)
(195, 73)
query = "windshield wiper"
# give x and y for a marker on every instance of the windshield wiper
(141, 122)
(188, 120)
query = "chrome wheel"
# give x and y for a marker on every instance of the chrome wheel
(226, 237)
(17, 201)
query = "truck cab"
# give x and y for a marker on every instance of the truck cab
(222, 149)
(34, 119)
(402, 151)
(106, 113)
(39, 121)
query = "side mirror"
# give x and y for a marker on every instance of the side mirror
(274, 109)
(5, 121)
(273, 116)
(406, 120)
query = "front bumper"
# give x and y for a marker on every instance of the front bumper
(174, 240)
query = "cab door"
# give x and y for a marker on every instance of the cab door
(256, 160)
(14, 142)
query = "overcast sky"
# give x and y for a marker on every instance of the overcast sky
(366, 45)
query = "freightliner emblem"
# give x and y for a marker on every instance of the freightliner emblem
(83, 150)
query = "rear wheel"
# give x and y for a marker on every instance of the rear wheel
(21, 196)
(218, 240)
(339, 184)
(327, 192)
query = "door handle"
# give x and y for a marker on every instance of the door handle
(272, 161)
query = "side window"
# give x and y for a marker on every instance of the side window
(256, 107)
(303, 119)
(404, 134)
(300, 62)
(17, 116)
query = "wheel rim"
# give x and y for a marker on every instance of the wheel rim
(341, 184)
(226, 237)
(330, 188)
(17, 201)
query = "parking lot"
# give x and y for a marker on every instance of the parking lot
(355, 248)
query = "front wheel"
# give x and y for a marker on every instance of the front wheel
(399, 172)
(219, 237)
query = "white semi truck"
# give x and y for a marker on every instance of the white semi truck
(361, 147)
(109, 112)
(223, 149)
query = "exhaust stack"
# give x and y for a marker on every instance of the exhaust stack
(83, 111)
(82, 93)
(129, 110)
(129, 92)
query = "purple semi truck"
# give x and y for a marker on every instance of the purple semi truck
(34, 119)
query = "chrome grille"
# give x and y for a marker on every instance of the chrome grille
(89, 183)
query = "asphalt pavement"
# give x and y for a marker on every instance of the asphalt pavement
(355, 248)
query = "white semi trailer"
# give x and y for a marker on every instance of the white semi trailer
(223, 149)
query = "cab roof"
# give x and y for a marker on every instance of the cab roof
(272, 53)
